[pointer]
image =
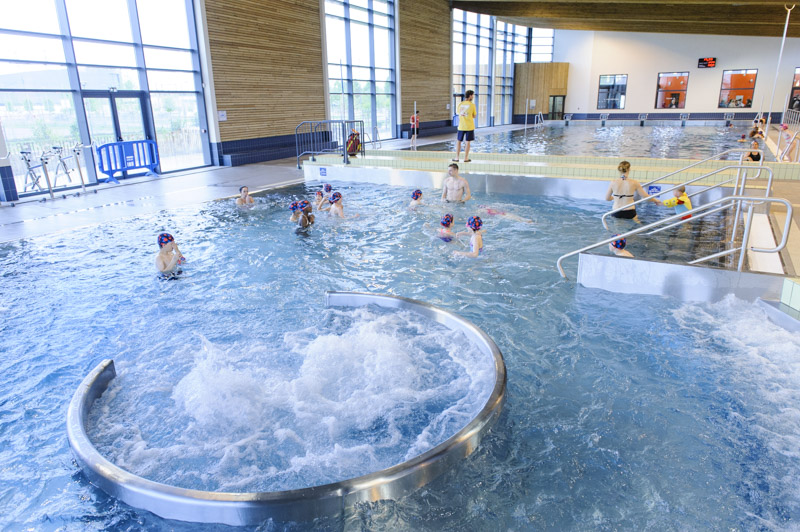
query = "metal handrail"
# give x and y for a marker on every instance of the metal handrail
(325, 136)
(788, 145)
(732, 150)
(737, 189)
(678, 218)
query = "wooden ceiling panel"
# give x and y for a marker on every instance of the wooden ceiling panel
(764, 18)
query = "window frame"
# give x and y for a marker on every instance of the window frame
(722, 88)
(684, 90)
(600, 77)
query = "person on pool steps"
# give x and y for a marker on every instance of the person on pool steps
(466, 125)
(680, 202)
(169, 257)
(621, 191)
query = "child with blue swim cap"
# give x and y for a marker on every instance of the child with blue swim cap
(617, 247)
(416, 199)
(476, 240)
(445, 233)
(169, 257)
(335, 207)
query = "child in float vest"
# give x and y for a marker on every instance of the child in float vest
(680, 202)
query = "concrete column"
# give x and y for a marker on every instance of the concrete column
(8, 189)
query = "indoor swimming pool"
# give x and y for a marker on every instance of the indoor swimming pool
(660, 142)
(622, 412)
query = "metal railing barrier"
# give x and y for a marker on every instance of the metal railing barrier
(697, 213)
(127, 155)
(316, 137)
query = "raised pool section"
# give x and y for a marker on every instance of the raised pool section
(299, 504)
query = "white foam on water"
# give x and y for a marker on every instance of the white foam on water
(367, 391)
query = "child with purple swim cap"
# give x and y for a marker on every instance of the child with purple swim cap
(169, 257)
(416, 199)
(476, 240)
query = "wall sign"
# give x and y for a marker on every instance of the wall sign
(323, 172)
(222, 115)
(707, 62)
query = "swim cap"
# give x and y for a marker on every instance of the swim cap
(336, 196)
(327, 187)
(319, 193)
(619, 244)
(242, 188)
(743, 136)
(303, 204)
(447, 219)
(294, 206)
(417, 194)
(784, 127)
(474, 223)
(164, 238)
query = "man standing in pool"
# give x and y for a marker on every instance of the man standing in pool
(455, 188)
(466, 125)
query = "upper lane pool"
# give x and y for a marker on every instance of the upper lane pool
(623, 411)
(660, 142)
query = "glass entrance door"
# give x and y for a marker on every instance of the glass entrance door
(556, 111)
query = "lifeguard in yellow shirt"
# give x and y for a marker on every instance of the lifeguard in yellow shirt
(466, 124)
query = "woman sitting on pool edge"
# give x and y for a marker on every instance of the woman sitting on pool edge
(621, 192)
(476, 241)
(169, 257)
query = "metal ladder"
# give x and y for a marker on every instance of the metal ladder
(697, 213)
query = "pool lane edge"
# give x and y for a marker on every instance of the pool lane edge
(304, 504)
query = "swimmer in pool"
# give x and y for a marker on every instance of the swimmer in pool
(295, 208)
(244, 196)
(475, 241)
(489, 211)
(445, 233)
(455, 187)
(169, 257)
(416, 199)
(335, 206)
(617, 247)
(319, 200)
(622, 190)
(306, 218)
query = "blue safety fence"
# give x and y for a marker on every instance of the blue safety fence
(129, 155)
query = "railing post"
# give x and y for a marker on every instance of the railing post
(746, 236)
(44, 157)
(344, 142)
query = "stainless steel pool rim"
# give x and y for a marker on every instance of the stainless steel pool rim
(329, 500)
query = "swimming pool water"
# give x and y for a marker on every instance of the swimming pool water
(623, 411)
(661, 142)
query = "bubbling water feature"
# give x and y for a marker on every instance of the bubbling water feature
(355, 391)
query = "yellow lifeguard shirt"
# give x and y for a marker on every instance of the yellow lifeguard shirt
(466, 116)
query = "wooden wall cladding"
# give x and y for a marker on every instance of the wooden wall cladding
(425, 36)
(266, 58)
(538, 81)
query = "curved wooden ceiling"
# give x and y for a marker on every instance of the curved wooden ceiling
(763, 18)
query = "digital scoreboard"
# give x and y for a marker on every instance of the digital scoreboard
(707, 62)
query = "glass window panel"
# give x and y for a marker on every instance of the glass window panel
(335, 86)
(359, 43)
(170, 81)
(177, 121)
(164, 22)
(360, 3)
(361, 73)
(470, 81)
(362, 86)
(540, 32)
(94, 53)
(486, 20)
(471, 39)
(458, 66)
(31, 15)
(541, 58)
(361, 15)
(382, 7)
(383, 47)
(484, 61)
(100, 19)
(31, 48)
(334, 28)
(383, 109)
(97, 78)
(486, 32)
(384, 87)
(334, 8)
(381, 20)
(458, 14)
(541, 41)
(129, 112)
(485, 42)
(519, 57)
(739, 79)
(168, 59)
(383, 74)
(541, 49)
(338, 109)
(458, 27)
(736, 98)
(521, 30)
(33, 76)
(362, 105)
(35, 122)
(100, 119)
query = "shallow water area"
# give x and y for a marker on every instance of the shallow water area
(623, 411)
(660, 142)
